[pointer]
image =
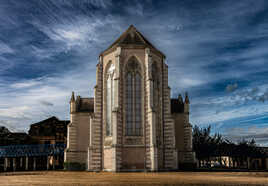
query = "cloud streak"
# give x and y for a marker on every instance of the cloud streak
(50, 48)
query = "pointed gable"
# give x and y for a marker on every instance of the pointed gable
(131, 37)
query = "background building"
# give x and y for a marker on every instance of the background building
(41, 149)
(49, 131)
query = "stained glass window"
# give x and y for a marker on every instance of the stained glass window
(138, 104)
(129, 111)
(133, 100)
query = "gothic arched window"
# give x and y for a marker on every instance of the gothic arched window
(109, 99)
(133, 99)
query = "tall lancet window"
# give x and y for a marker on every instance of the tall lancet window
(133, 99)
(109, 99)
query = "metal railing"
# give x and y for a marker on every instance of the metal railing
(32, 150)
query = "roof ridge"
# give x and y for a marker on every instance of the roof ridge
(124, 35)
(52, 117)
(120, 37)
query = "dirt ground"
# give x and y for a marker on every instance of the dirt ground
(105, 178)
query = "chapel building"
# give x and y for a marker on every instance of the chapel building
(131, 123)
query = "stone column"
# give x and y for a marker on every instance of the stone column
(34, 163)
(96, 148)
(5, 164)
(151, 113)
(114, 145)
(153, 148)
(248, 163)
(89, 159)
(53, 162)
(48, 158)
(14, 164)
(91, 138)
(116, 77)
(116, 94)
(115, 109)
(21, 162)
(26, 163)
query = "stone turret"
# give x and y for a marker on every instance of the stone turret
(186, 104)
(180, 99)
(72, 104)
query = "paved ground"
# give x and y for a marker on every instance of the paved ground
(104, 178)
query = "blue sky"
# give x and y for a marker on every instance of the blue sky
(216, 50)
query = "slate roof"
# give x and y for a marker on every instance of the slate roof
(176, 106)
(50, 120)
(49, 127)
(85, 105)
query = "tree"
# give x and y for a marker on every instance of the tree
(206, 146)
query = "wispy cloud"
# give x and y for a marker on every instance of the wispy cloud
(5, 49)
(15, 112)
(260, 134)
(215, 50)
(29, 101)
(101, 3)
(26, 84)
(230, 108)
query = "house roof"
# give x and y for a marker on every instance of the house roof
(50, 120)
(86, 105)
(132, 37)
(48, 127)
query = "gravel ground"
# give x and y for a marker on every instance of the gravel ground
(104, 178)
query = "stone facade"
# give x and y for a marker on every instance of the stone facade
(131, 123)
